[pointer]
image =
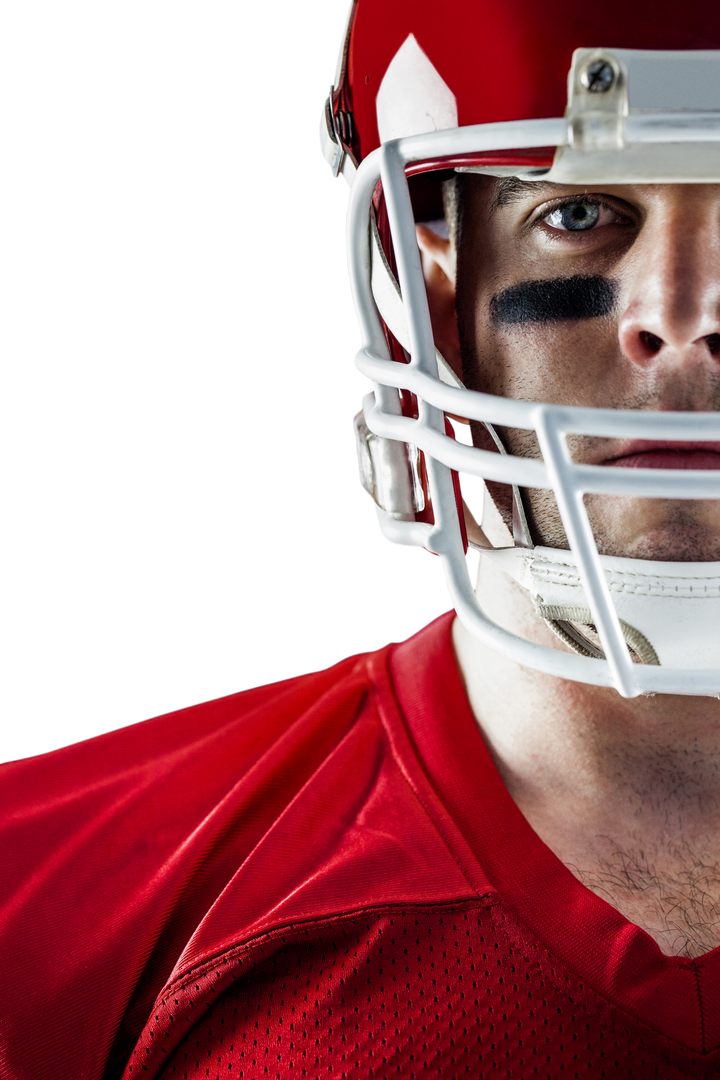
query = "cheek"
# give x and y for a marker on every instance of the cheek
(578, 363)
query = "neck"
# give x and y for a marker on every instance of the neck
(626, 793)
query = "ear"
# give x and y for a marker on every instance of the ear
(438, 259)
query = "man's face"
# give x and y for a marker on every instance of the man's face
(606, 297)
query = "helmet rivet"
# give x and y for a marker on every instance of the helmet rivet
(598, 77)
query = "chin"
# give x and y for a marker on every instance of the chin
(662, 531)
(674, 532)
(659, 547)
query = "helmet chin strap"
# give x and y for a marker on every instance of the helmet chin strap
(669, 611)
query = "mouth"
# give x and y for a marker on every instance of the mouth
(651, 454)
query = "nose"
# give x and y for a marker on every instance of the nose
(672, 306)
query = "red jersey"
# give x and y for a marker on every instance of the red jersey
(321, 878)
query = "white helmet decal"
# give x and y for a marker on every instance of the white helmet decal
(413, 97)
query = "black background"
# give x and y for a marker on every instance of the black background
(182, 512)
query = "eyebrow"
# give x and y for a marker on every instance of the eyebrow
(510, 189)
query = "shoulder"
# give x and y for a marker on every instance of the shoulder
(134, 859)
(115, 849)
(206, 746)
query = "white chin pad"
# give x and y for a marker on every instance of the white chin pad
(673, 606)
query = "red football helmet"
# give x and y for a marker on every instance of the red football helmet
(523, 89)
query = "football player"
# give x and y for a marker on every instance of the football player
(492, 849)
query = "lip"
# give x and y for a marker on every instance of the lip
(654, 454)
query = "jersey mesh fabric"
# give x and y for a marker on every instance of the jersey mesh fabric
(441, 991)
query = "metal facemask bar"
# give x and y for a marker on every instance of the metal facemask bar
(620, 145)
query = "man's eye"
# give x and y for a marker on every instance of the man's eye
(580, 216)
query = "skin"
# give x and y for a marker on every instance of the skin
(626, 793)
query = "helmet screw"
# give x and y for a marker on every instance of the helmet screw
(598, 77)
